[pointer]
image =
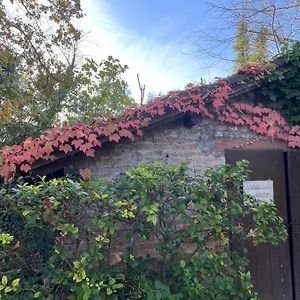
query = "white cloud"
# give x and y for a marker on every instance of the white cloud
(161, 66)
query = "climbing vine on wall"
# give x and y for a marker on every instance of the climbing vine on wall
(214, 104)
(281, 87)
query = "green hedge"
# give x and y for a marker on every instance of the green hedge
(57, 237)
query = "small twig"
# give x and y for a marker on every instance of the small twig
(142, 89)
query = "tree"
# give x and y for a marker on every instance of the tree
(43, 75)
(250, 51)
(242, 45)
(275, 22)
(261, 47)
(42, 39)
(99, 91)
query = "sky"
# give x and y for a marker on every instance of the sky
(154, 38)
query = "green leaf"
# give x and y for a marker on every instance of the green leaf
(182, 263)
(25, 213)
(8, 289)
(37, 294)
(4, 280)
(16, 282)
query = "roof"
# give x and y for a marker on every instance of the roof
(218, 100)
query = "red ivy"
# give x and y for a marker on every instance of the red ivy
(85, 138)
(252, 69)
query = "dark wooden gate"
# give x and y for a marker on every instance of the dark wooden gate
(270, 266)
(293, 167)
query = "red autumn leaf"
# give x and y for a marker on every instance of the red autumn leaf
(152, 111)
(85, 173)
(262, 128)
(258, 110)
(294, 130)
(139, 132)
(85, 147)
(25, 168)
(253, 127)
(62, 138)
(184, 98)
(114, 137)
(99, 130)
(34, 152)
(109, 129)
(18, 148)
(18, 158)
(55, 143)
(79, 133)
(239, 122)
(92, 137)
(97, 143)
(27, 156)
(257, 120)
(161, 112)
(6, 172)
(133, 124)
(77, 143)
(197, 98)
(130, 112)
(234, 115)
(65, 148)
(12, 167)
(48, 148)
(126, 133)
(229, 119)
(248, 121)
(191, 108)
(27, 145)
(177, 105)
(143, 122)
(218, 103)
(272, 131)
(90, 152)
(72, 133)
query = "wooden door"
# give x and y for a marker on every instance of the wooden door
(270, 266)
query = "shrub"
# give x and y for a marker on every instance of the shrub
(153, 234)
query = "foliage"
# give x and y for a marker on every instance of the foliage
(41, 40)
(249, 50)
(261, 47)
(279, 19)
(100, 91)
(42, 76)
(215, 103)
(282, 85)
(153, 234)
(242, 45)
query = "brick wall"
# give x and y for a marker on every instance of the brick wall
(202, 145)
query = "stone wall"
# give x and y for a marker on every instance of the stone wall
(202, 145)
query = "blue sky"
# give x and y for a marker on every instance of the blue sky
(154, 38)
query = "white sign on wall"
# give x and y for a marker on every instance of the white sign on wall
(260, 189)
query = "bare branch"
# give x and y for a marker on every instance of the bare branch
(142, 89)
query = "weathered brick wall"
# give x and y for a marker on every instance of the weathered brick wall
(202, 145)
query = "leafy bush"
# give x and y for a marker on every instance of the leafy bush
(153, 234)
